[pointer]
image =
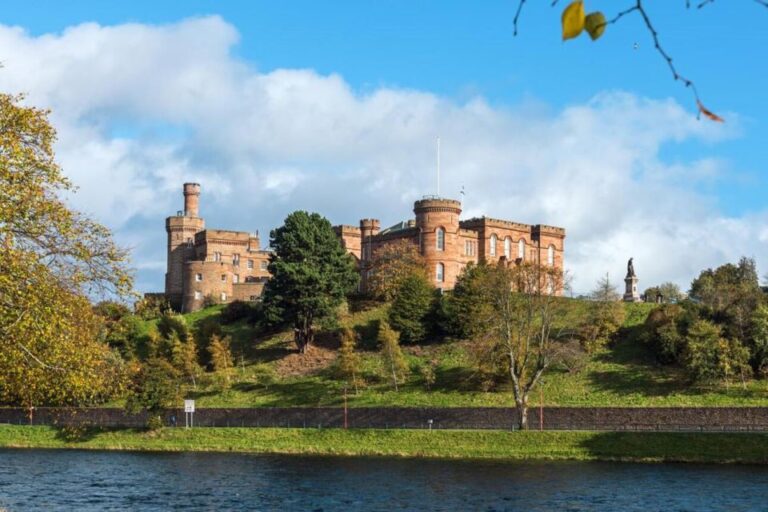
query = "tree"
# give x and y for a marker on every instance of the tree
(521, 324)
(670, 293)
(411, 307)
(221, 360)
(51, 259)
(392, 357)
(184, 358)
(391, 264)
(709, 356)
(605, 316)
(311, 274)
(759, 341)
(468, 306)
(729, 295)
(349, 360)
(154, 387)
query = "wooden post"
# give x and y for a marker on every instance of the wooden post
(346, 417)
(541, 406)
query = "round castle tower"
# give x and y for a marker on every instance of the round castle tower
(181, 230)
(438, 222)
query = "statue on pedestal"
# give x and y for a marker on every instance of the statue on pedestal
(631, 294)
(630, 268)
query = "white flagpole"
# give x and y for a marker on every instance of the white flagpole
(438, 167)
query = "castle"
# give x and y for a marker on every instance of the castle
(221, 266)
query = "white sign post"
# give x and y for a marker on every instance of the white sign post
(189, 413)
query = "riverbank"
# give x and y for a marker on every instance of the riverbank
(451, 444)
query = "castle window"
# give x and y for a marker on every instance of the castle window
(521, 249)
(551, 256)
(468, 248)
(493, 245)
(250, 264)
(507, 247)
(189, 242)
(236, 260)
(263, 265)
(440, 239)
(223, 296)
(216, 256)
(223, 278)
(198, 277)
(236, 278)
(198, 296)
(440, 273)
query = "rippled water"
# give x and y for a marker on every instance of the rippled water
(85, 480)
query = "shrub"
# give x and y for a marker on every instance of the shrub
(235, 311)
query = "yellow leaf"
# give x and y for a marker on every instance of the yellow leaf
(573, 19)
(594, 24)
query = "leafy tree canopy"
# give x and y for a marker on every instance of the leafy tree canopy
(311, 274)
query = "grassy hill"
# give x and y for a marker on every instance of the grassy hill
(270, 373)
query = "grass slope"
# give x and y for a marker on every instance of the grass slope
(623, 375)
(493, 445)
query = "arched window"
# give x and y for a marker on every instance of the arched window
(551, 256)
(440, 239)
(521, 249)
(439, 272)
(507, 247)
(493, 245)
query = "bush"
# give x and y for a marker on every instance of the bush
(154, 387)
(235, 311)
(151, 307)
(709, 357)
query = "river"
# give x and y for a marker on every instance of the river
(90, 481)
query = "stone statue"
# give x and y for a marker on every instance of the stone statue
(630, 268)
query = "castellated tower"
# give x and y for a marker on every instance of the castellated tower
(369, 228)
(181, 231)
(437, 220)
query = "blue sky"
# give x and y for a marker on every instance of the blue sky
(457, 53)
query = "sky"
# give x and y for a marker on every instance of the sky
(334, 107)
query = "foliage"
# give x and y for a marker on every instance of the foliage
(759, 340)
(466, 304)
(709, 356)
(311, 274)
(521, 324)
(392, 264)
(184, 358)
(221, 361)
(392, 358)
(154, 387)
(670, 293)
(151, 306)
(235, 311)
(428, 375)
(605, 316)
(349, 361)
(51, 259)
(411, 307)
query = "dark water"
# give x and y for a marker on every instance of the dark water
(84, 481)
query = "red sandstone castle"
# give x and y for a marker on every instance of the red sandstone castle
(221, 266)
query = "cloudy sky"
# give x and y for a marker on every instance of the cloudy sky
(335, 107)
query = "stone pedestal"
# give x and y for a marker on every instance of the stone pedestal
(630, 293)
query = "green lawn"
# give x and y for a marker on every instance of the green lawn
(623, 375)
(495, 445)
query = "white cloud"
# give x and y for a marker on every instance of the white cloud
(142, 108)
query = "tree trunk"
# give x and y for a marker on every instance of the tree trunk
(522, 412)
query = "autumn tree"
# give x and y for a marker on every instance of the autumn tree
(154, 387)
(311, 274)
(349, 360)
(393, 361)
(604, 317)
(184, 358)
(52, 260)
(709, 356)
(391, 264)
(519, 326)
(221, 360)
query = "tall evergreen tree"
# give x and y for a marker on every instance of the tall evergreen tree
(311, 274)
(412, 304)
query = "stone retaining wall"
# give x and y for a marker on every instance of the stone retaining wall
(730, 419)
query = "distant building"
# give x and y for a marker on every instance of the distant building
(210, 265)
(218, 266)
(448, 244)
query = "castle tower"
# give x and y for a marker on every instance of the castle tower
(181, 231)
(438, 222)
(369, 228)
